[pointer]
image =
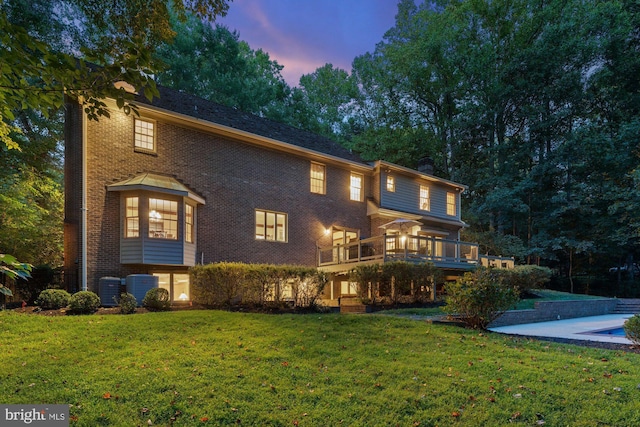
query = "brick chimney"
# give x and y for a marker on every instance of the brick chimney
(425, 165)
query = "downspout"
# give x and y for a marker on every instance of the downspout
(83, 219)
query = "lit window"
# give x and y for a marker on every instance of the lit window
(391, 184)
(177, 284)
(451, 204)
(132, 220)
(318, 178)
(188, 223)
(163, 219)
(144, 135)
(425, 204)
(271, 226)
(356, 187)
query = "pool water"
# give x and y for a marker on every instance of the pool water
(616, 332)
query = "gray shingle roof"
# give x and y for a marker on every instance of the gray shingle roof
(184, 103)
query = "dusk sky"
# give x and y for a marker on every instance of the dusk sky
(303, 35)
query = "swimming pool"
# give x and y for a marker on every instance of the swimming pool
(616, 332)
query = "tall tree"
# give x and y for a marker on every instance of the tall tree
(213, 63)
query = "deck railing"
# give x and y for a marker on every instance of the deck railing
(385, 248)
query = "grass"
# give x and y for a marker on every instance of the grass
(197, 368)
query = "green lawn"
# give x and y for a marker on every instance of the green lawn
(217, 368)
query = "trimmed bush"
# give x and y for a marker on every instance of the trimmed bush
(232, 283)
(480, 297)
(84, 302)
(127, 303)
(53, 299)
(157, 299)
(632, 329)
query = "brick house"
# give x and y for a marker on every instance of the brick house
(189, 181)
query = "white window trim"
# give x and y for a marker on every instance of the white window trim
(154, 135)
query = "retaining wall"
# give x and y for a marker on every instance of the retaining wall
(545, 311)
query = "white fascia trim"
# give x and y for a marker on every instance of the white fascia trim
(392, 166)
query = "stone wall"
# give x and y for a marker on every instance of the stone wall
(545, 311)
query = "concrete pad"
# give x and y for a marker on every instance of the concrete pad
(582, 328)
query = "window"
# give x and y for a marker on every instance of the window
(451, 204)
(271, 226)
(356, 187)
(318, 183)
(425, 204)
(177, 284)
(144, 132)
(391, 184)
(132, 220)
(163, 219)
(188, 223)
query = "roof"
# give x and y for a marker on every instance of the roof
(190, 105)
(154, 182)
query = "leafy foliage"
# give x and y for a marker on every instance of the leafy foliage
(480, 297)
(127, 303)
(84, 302)
(53, 299)
(225, 284)
(395, 282)
(157, 299)
(12, 268)
(632, 329)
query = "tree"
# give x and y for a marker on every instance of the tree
(213, 63)
(116, 44)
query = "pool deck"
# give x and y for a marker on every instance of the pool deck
(581, 328)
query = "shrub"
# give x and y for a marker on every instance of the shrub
(632, 329)
(53, 299)
(84, 302)
(527, 277)
(127, 303)
(157, 299)
(395, 282)
(480, 297)
(234, 283)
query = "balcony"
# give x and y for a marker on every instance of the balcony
(446, 254)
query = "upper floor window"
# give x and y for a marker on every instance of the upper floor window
(355, 187)
(451, 204)
(188, 223)
(271, 226)
(144, 135)
(163, 219)
(391, 184)
(318, 181)
(425, 202)
(132, 219)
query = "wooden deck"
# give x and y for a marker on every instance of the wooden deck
(446, 254)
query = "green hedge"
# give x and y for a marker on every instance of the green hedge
(232, 283)
(395, 282)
